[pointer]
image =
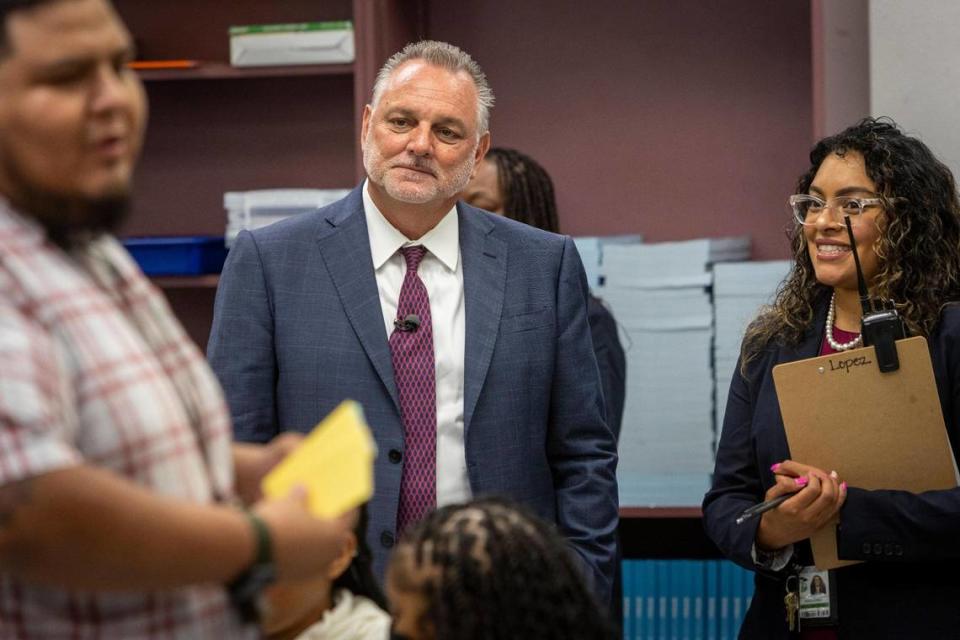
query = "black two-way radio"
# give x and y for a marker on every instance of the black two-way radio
(880, 324)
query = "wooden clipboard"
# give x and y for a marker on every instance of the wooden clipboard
(877, 430)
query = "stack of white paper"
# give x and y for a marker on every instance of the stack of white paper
(255, 209)
(590, 249)
(658, 294)
(739, 290)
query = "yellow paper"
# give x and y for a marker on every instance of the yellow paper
(334, 463)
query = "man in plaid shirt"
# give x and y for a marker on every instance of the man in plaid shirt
(116, 461)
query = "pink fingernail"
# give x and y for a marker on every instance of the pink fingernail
(801, 481)
(774, 466)
(843, 486)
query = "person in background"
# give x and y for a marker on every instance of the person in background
(489, 570)
(345, 603)
(903, 205)
(514, 185)
(428, 312)
(117, 471)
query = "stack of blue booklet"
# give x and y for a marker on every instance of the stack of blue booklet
(684, 599)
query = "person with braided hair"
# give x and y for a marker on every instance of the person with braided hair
(489, 569)
(516, 186)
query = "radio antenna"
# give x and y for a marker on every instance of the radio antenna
(865, 303)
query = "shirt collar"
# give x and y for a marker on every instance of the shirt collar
(443, 241)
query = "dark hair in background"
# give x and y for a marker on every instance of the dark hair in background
(918, 247)
(358, 578)
(6, 8)
(495, 571)
(527, 189)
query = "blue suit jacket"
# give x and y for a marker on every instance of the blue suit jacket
(908, 586)
(298, 327)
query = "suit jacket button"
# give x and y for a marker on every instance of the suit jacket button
(866, 548)
(877, 548)
(395, 456)
(387, 539)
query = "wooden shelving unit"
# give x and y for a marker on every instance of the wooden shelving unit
(657, 513)
(207, 281)
(222, 71)
(216, 128)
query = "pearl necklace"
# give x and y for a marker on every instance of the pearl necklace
(837, 346)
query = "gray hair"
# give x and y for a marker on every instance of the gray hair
(446, 56)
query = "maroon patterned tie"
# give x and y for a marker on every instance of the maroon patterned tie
(411, 345)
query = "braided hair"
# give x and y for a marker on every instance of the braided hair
(527, 189)
(491, 570)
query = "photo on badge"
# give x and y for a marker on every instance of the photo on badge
(817, 604)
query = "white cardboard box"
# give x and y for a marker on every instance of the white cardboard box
(295, 43)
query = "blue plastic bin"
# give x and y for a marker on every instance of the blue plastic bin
(178, 255)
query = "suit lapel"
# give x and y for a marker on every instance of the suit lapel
(484, 279)
(345, 248)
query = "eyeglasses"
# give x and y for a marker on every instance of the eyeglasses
(807, 208)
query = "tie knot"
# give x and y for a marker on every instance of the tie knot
(413, 255)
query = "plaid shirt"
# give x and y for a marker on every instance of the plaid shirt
(96, 370)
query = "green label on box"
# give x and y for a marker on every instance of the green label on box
(292, 27)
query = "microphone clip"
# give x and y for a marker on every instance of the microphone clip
(407, 324)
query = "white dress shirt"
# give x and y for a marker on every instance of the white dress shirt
(442, 273)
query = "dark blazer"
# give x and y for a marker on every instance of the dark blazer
(907, 588)
(298, 327)
(610, 359)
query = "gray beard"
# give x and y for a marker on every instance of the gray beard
(69, 221)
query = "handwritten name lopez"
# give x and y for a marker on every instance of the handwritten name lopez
(846, 364)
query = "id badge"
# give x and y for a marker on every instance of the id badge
(818, 597)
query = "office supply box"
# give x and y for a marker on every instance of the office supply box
(178, 256)
(292, 43)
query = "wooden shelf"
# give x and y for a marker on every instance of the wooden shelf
(222, 71)
(664, 532)
(207, 281)
(660, 512)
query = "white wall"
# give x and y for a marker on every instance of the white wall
(915, 70)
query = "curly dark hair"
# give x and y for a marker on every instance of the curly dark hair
(919, 246)
(492, 571)
(527, 189)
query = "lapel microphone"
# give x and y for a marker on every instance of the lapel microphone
(408, 324)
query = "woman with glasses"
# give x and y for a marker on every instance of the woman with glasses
(905, 215)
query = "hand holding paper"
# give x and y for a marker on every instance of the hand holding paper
(334, 463)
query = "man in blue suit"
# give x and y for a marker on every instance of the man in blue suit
(489, 386)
